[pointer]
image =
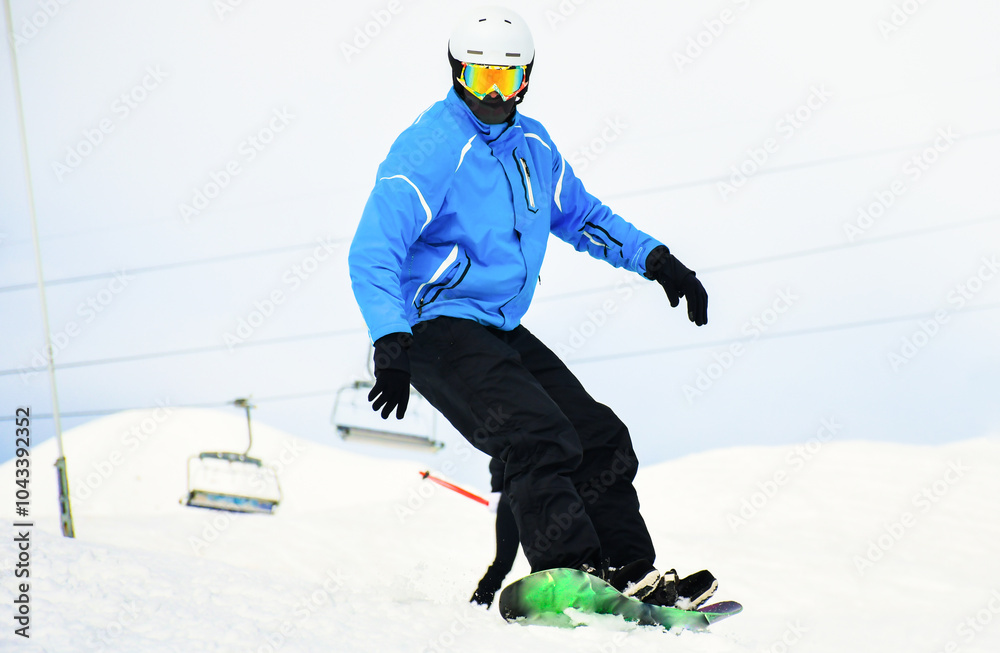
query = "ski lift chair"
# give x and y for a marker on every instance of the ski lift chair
(224, 480)
(355, 420)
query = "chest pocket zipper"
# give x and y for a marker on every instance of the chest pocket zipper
(527, 183)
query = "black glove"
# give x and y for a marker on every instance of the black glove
(677, 282)
(392, 374)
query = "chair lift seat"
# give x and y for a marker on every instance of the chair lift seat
(354, 419)
(231, 481)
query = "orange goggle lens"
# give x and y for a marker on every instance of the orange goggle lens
(481, 80)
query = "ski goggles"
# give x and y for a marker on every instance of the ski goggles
(481, 80)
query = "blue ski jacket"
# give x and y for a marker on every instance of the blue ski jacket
(460, 216)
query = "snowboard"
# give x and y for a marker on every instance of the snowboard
(545, 596)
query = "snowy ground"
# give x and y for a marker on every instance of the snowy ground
(831, 545)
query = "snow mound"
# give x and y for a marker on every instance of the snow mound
(830, 545)
(136, 462)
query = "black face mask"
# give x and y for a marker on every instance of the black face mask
(491, 111)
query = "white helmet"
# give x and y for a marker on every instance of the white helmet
(493, 36)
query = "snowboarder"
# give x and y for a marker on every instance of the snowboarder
(444, 265)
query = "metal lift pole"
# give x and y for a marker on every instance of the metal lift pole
(246, 404)
(65, 511)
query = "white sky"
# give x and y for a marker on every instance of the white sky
(214, 80)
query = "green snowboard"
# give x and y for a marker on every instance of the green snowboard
(543, 598)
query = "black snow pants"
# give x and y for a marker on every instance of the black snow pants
(568, 460)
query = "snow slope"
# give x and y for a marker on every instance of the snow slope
(831, 545)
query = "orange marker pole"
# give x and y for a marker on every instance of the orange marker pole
(455, 488)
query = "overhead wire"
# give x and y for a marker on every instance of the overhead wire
(792, 166)
(175, 265)
(795, 333)
(611, 196)
(214, 404)
(575, 361)
(263, 342)
(577, 293)
(784, 256)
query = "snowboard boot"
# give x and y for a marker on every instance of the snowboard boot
(638, 574)
(641, 580)
(694, 590)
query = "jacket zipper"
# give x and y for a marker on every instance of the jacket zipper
(527, 182)
(531, 205)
